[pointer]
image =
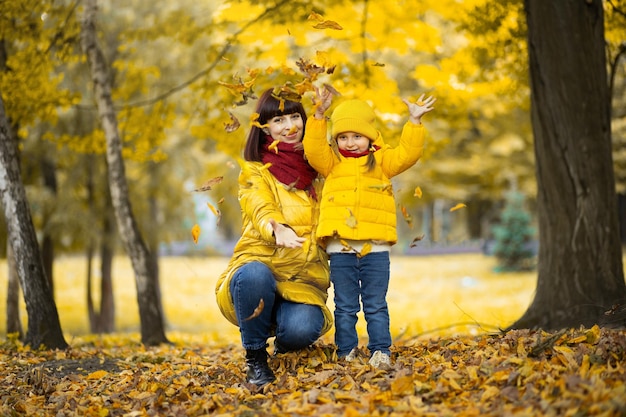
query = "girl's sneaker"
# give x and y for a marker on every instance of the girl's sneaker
(380, 360)
(352, 355)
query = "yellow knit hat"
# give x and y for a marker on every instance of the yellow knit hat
(354, 116)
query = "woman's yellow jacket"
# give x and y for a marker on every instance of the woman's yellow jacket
(358, 204)
(302, 274)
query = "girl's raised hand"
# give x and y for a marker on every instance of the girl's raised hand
(419, 108)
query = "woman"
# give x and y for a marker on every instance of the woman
(277, 280)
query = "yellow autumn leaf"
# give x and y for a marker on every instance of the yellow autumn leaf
(346, 245)
(402, 385)
(458, 206)
(274, 146)
(97, 374)
(254, 121)
(489, 393)
(195, 233)
(351, 220)
(367, 248)
(315, 16)
(407, 217)
(418, 192)
(328, 24)
(215, 211)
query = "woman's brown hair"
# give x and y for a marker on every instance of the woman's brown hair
(268, 107)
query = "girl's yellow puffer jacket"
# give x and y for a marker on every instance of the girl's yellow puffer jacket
(358, 204)
(302, 274)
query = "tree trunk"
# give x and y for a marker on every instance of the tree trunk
(47, 244)
(14, 324)
(106, 322)
(103, 320)
(44, 328)
(580, 273)
(152, 330)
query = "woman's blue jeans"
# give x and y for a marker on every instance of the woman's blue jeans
(295, 325)
(357, 280)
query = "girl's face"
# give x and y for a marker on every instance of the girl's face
(352, 142)
(287, 128)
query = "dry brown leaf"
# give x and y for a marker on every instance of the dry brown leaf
(257, 311)
(209, 184)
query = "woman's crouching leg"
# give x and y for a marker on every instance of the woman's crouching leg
(298, 325)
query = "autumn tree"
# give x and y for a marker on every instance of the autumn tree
(152, 326)
(44, 328)
(580, 272)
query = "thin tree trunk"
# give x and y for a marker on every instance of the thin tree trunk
(152, 330)
(47, 244)
(580, 272)
(14, 324)
(107, 302)
(44, 328)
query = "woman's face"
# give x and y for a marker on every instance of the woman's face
(287, 128)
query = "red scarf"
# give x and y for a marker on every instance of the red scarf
(289, 165)
(348, 154)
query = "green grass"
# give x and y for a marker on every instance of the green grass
(428, 296)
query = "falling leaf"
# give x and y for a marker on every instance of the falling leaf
(367, 248)
(351, 220)
(328, 24)
(458, 206)
(257, 311)
(292, 186)
(274, 146)
(233, 125)
(220, 201)
(308, 68)
(346, 246)
(254, 121)
(407, 217)
(215, 211)
(418, 192)
(383, 187)
(315, 16)
(415, 240)
(332, 90)
(209, 184)
(195, 233)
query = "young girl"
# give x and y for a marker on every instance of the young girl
(357, 223)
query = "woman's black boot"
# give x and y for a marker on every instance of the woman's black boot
(259, 372)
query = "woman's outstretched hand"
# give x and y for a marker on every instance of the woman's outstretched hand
(285, 236)
(323, 100)
(419, 108)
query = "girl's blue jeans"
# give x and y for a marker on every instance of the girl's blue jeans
(295, 325)
(365, 280)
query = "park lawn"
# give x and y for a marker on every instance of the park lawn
(433, 295)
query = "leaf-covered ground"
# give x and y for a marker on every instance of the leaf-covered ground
(579, 372)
